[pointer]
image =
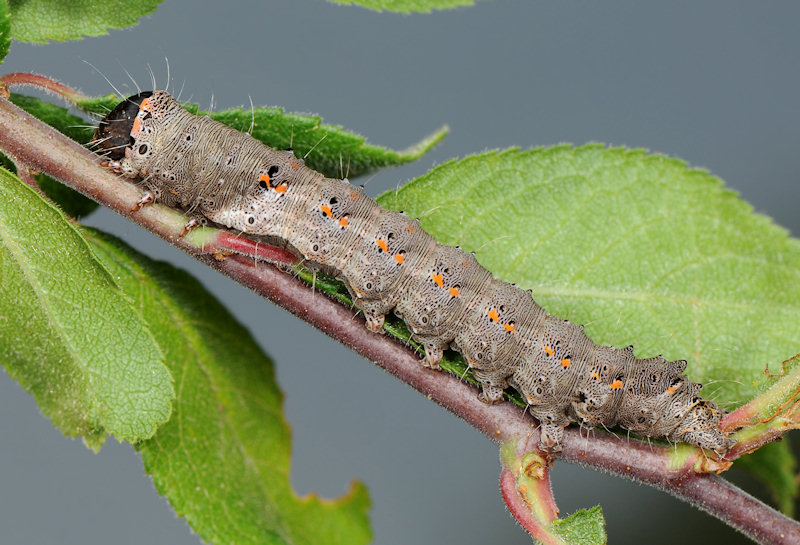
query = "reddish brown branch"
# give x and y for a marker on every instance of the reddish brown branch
(522, 511)
(42, 148)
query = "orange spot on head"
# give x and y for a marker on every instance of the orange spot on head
(509, 328)
(344, 222)
(566, 362)
(616, 385)
(282, 188)
(382, 244)
(454, 292)
(495, 317)
(143, 106)
(549, 351)
(326, 210)
(399, 258)
(438, 279)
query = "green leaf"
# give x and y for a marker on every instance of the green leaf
(586, 527)
(329, 149)
(407, 6)
(5, 30)
(223, 459)
(68, 335)
(776, 466)
(42, 20)
(639, 248)
(72, 202)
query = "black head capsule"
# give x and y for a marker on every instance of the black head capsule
(113, 134)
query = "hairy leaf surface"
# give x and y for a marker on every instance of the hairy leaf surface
(42, 20)
(68, 335)
(223, 459)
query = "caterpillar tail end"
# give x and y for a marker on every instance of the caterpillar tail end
(700, 427)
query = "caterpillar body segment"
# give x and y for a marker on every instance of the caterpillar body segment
(389, 263)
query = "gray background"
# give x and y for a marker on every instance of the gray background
(715, 83)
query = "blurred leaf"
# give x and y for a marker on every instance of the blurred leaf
(407, 6)
(68, 335)
(223, 459)
(42, 20)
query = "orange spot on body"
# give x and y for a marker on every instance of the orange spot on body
(264, 178)
(493, 315)
(399, 258)
(509, 328)
(382, 245)
(595, 375)
(412, 228)
(671, 390)
(294, 164)
(566, 362)
(344, 222)
(282, 188)
(454, 292)
(616, 385)
(438, 279)
(326, 210)
(135, 127)
(549, 351)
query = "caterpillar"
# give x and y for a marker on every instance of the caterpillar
(389, 263)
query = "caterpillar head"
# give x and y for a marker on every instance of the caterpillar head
(127, 133)
(113, 134)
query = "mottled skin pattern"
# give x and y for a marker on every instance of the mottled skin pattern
(390, 264)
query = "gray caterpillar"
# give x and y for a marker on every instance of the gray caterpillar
(389, 263)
